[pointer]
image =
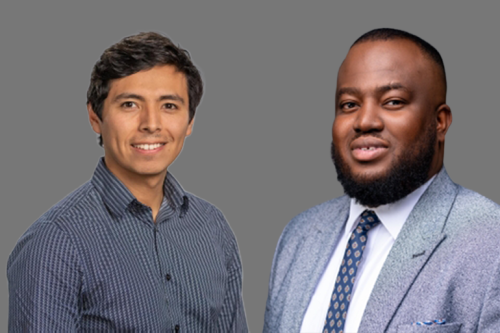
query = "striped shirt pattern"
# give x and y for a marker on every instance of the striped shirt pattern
(96, 261)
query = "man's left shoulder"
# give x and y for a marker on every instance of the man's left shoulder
(472, 206)
(202, 207)
(208, 213)
(473, 219)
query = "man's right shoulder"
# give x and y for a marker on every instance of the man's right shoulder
(58, 224)
(313, 219)
(298, 236)
(71, 208)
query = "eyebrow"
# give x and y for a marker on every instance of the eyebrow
(171, 97)
(348, 91)
(379, 90)
(391, 86)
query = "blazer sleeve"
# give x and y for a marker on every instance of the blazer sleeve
(283, 258)
(489, 320)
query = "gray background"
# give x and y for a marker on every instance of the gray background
(260, 146)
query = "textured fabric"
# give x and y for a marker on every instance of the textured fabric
(382, 237)
(341, 295)
(97, 262)
(444, 264)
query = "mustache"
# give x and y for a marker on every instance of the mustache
(366, 135)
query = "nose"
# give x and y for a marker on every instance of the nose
(368, 118)
(150, 120)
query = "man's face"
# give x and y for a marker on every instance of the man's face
(386, 124)
(145, 120)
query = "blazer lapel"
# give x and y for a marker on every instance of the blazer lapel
(419, 237)
(312, 258)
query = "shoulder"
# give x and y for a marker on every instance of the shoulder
(465, 213)
(214, 222)
(465, 203)
(313, 218)
(472, 212)
(74, 209)
(471, 203)
(318, 213)
(323, 217)
(75, 203)
(44, 247)
(206, 211)
(59, 223)
(471, 226)
(323, 220)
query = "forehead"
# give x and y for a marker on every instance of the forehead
(385, 62)
(154, 81)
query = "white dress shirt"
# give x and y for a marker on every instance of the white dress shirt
(379, 243)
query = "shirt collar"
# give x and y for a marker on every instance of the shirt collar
(117, 196)
(392, 215)
(175, 194)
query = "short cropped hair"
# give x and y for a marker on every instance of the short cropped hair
(391, 34)
(137, 53)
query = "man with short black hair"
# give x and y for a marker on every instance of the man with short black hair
(405, 247)
(130, 250)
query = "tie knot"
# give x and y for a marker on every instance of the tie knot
(368, 220)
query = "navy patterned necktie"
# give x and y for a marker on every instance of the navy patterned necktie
(341, 296)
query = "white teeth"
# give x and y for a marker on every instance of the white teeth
(149, 147)
(371, 148)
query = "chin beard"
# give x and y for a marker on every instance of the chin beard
(407, 173)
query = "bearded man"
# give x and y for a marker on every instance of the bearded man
(405, 248)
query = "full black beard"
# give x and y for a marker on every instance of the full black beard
(408, 173)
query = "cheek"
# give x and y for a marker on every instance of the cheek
(116, 131)
(340, 131)
(408, 124)
(406, 131)
(179, 135)
(177, 127)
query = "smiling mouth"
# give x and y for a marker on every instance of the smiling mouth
(368, 148)
(367, 154)
(148, 146)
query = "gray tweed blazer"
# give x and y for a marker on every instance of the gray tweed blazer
(445, 263)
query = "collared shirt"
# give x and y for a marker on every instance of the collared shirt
(379, 244)
(96, 261)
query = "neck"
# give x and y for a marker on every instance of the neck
(437, 164)
(147, 189)
(148, 192)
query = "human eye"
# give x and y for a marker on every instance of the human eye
(169, 106)
(395, 104)
(128, 105)
(348, 106)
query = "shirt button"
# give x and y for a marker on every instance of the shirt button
(168, 277)
(177, 328)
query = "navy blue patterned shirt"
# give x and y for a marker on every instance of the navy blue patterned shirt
(96, 261)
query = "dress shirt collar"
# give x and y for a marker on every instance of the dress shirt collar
(393, 215)
(118, 198)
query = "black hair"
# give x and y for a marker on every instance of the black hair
(137, 53)
(391, 34)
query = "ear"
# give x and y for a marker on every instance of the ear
(444, 119)
(190, 127)
(94, 120)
